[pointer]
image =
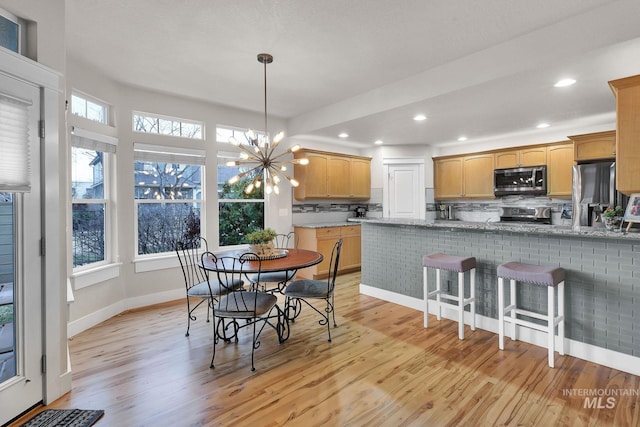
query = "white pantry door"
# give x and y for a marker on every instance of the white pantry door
(404, 196)
(21, 386)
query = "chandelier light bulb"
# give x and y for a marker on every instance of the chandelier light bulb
(294, 182)
(294, 148)
(304, 161)
(234, 141)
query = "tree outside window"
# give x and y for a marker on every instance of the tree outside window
(168, 204)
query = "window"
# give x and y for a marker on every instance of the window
(90, 156)
(164, 125)
(92, 109)
(168, 197)
(11, 31)
(240, 213)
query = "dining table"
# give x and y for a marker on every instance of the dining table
(279, 259)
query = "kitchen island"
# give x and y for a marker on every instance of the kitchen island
(602, 286)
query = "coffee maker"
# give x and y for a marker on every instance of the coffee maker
(360, 212)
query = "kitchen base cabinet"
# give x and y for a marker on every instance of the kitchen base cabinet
(322, 240)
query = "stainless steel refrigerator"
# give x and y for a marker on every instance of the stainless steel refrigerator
(594, 188)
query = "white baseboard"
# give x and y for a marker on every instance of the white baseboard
(90, 320)
(591, 353)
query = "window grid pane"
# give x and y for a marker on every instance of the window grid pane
(88, 233)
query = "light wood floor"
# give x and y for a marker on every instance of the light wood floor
(382, 369)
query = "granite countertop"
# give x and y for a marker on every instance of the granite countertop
(326, 224)
(500, 226)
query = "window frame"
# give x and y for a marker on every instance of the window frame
(158, 117)
(21, 30)
(93, 100)
(227, 151)
(166, 154)
(108, 268)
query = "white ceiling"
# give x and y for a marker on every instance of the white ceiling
(478, 68)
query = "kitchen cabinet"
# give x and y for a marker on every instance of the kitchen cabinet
(526, 156)
(448, 178)
(464, 177)
(627, 92)
(594, 146)
(560, 169)
(477, 173)
(332, 176)
(322, 240)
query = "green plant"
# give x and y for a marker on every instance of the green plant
(613, 212)
(261, 236)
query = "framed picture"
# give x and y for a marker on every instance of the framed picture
(632, 214)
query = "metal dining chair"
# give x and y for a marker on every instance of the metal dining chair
(280, 278)
(258, 309)
(195, 280)
(305, 290)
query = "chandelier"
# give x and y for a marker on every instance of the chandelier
(260, 157)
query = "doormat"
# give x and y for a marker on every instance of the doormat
(64, 417)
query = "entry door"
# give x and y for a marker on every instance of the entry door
(404, 196)
(21, 344)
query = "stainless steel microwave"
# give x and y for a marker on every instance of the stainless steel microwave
(531, 180)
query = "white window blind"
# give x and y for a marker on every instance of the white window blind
(159, 153)
(93, 141)
(15, 168)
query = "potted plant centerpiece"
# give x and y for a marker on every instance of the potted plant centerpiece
(261, 241)
(612, 217)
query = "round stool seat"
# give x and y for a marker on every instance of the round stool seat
(449, 262)
(536, 274)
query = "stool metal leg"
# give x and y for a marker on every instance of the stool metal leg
(438, 288)
(561, 316)
(461, 305)
(514, 304)
(501, 313)
(472, 291)
(426, 297)
(551, 310)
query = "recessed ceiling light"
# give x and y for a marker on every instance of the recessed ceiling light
(564, 83)
(419, 117)
(379, 142)
(462, 138)
(343, 135)
(542, 125)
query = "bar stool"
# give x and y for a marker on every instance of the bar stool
(551, 277)
(460, 265)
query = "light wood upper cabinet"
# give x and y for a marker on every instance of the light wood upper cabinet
(339, 174)
(465, 176)
(627, 93)
(559, 169)
(332, 176)
(361, 178)
(594, 146)
(312, 177)
(448, 178)
(527, 156)
(477, 172)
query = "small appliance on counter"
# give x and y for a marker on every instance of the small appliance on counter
(445, 212)
(540, 215)
(360, 212)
